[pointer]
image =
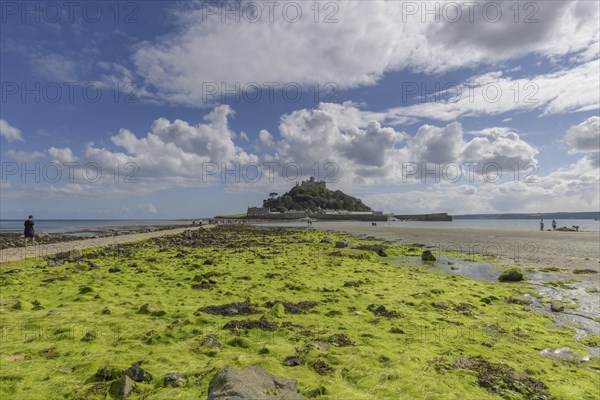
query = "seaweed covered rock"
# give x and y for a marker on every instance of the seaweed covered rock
(427, 256)
(122, 388)
(251, 383)
(512, 275)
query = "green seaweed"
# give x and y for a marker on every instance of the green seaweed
(375, 339)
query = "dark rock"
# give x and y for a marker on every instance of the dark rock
(210, 261)
(343, 245)
(212, 342)
(322, 368)
(293, 361)
(106, 311)
(440, 305)
(295, 308)
(122, 388)
(251, 383)
(340, 340)
(427, 256)
(151, 309)
(512, 275)
(174, 379)
(138, 374)
(89, 336)
(109, 373)
(557, 307)
(262, 324)
(114, 269)
(70, 255)
(245, 308)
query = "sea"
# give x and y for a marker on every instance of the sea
(90, 227)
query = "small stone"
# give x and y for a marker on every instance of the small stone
(106, 311)
(114, 269)
(212, 342)
(138, 374)
(174, 379)
(557, 307)
(293, 361)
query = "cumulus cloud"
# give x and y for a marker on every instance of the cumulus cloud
(178, 66)
(64, 155)
(10, 133)
(584, 137)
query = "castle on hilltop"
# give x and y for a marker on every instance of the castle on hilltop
(312, 183)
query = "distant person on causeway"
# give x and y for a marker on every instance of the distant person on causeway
(29, 230)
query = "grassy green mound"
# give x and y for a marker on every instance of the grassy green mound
(343, 322)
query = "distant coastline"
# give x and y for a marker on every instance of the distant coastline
(554, 215)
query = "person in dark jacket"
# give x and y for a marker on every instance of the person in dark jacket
(29, 230)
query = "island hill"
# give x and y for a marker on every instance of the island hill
(312, 199)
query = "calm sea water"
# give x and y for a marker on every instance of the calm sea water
(509, 224)
(85, 226)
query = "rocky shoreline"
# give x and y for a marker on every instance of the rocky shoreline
(9, 240)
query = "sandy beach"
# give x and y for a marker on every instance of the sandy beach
(567, 250)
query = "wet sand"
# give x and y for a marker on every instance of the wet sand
(567, 250)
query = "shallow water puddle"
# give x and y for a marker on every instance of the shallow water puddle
(482, 271)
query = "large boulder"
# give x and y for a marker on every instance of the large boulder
(70, 255)
(251, 383)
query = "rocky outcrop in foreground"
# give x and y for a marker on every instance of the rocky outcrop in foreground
(251, 383)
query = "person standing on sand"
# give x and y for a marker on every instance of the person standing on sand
(553, 224)
(541, 224)
(29, 230)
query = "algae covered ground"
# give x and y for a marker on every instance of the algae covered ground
(342, 320)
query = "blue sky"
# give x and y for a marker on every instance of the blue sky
(528, 106)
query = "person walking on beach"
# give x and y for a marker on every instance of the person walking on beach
(29, 230)
(553, 224)
(541, 225)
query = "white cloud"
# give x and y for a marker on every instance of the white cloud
(151, 209)
(266, 138)
(64, 155)
(178, 66)
(584, 137)
(10, 133)
(569, 90)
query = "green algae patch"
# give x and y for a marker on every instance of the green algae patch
(343, 322)
(512, 275)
